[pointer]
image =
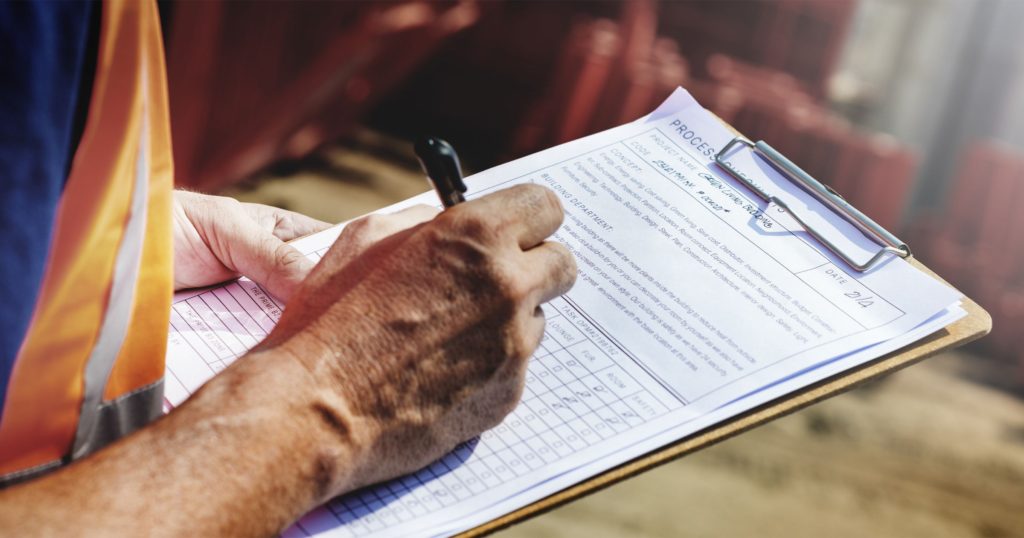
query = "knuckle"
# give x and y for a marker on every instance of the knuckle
(372, 224)
(561, 253)
(204, 203)
(520, 348)
(208, 203)
(222, 207)
(511, 397)
(508, 283)
(550, 201)
(465, 237)
(357, 229)
(358, 224)
(520, 342)
(462, 256)
(565, 261)
(466, 222)
(285, 256)
(424, 209)
(542, 198)
(224, 202)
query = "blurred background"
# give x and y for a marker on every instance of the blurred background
(911, 109)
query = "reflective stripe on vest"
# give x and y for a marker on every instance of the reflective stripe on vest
(90, 367)
(119, 306)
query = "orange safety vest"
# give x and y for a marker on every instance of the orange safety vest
(91, 366)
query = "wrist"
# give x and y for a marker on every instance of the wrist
(306, 428)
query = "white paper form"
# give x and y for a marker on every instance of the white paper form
(693, 303)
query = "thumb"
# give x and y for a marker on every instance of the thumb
(268, 261)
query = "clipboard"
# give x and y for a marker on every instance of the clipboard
(976, 324)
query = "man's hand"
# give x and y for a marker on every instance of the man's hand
(422, 341)
(218, 238)
(414, 342)
(389, 354)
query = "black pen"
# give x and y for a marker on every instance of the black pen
(441, 164)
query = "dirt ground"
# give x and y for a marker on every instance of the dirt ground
(924, 452)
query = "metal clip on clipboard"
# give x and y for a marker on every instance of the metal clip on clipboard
(890, 243)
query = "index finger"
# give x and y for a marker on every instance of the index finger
(530, 212)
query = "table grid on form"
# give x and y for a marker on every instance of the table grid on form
(216, 327)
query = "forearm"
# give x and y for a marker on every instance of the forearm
(247, 455)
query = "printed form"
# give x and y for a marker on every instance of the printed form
(694, 302)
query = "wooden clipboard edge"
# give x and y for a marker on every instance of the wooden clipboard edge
(975, 325)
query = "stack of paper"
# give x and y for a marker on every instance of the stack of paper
(694, 302)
